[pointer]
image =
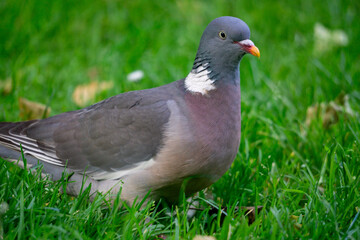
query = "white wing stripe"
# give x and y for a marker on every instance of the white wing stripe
(31, 148)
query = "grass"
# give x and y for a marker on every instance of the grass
(306, 177)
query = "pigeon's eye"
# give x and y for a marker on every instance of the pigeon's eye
(222, 35)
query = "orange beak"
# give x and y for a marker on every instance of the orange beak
(253, 50)
(248, 46)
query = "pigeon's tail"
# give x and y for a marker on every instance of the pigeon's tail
(11, 135)
(19, 138)
(16, 145)
(9, 148)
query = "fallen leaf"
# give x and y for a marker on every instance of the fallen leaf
(32, 110)
(4, 207)
(312, 114)
(6, 86)
(329, 112)
(321, 189)
(331, 115)
(326, 39)
(199, 237)
(85, 94)
(295, 218)
(298, 226)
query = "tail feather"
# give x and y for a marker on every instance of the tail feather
(13, 136)
(9, 131)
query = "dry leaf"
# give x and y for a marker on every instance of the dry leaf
(311, 114)
(295, 218)
(199, 237)
(6, 86)
(85, 94)
(32, 110)
(326, 39)
(298, 226)
(321, 189)
(4, 207)
(329, 112)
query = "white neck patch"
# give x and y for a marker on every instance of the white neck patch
(198, 80)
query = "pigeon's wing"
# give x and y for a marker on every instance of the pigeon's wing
(104, 139)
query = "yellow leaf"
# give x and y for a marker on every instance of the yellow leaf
(85, 94)
(199, 237)
(326, 39)
(311, 114)
(6, 86)
(298, 226)
(4, 207)
(32, 110)
(329, 112)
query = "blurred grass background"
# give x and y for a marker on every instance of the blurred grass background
(306, 177)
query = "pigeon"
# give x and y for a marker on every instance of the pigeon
(155, 143)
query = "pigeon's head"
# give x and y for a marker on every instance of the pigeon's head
(225, 40)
